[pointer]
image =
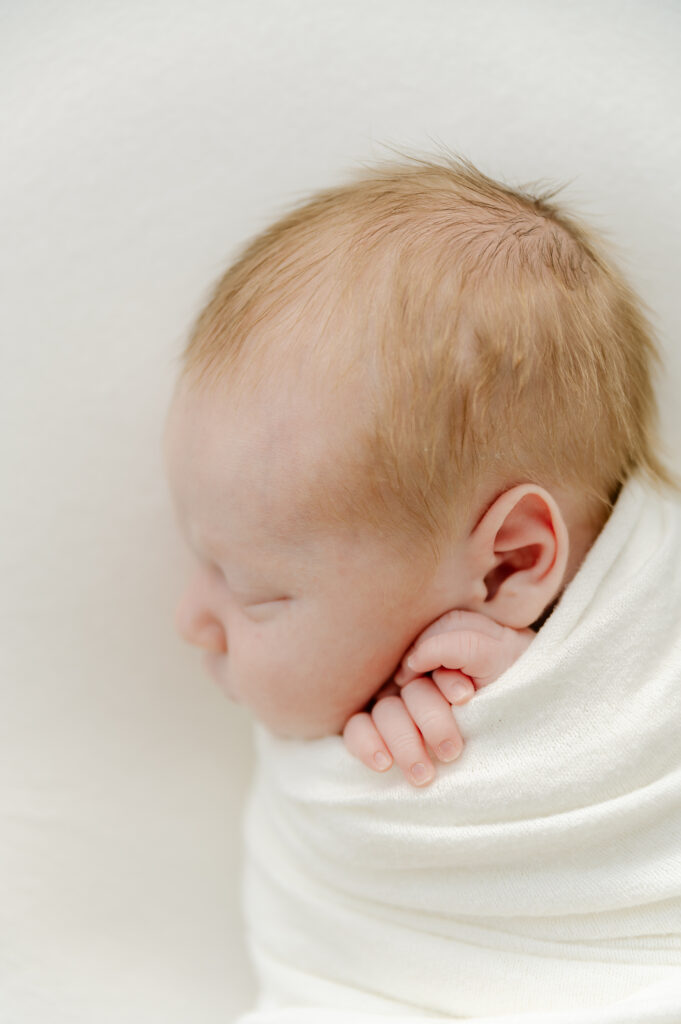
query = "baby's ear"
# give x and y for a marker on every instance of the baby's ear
(519, 550)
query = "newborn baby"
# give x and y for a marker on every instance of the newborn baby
(402, 423)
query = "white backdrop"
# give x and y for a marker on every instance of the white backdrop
(141, 143)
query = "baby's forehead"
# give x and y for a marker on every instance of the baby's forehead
(247, 461)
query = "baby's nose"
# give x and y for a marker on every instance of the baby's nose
(197, 622)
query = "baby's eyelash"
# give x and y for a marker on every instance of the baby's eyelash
(264, 609)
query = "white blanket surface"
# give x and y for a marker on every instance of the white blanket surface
(538, 879)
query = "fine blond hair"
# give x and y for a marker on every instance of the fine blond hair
(494, 340)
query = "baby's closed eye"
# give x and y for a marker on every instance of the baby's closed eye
(262, 604)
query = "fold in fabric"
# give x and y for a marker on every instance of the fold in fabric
(539, 877)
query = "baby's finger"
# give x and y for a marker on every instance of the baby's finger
(432, 714)
(453, 685)
(403, 740)
(451, 622)
(364, 741)
(473, 653)
(405, 674)
(457, 621)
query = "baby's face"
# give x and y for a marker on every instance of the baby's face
(301, 626)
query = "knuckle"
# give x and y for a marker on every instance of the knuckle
(471, 643)
(404, 749)
(430, 719)
(453, 619)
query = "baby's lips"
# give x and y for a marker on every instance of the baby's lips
(210, 662)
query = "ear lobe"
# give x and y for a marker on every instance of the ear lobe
(522, 548)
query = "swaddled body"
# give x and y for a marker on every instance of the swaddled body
(542, 872)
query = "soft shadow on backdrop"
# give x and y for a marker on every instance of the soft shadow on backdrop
(142, 143)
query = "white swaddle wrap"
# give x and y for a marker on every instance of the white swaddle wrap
(539, 877)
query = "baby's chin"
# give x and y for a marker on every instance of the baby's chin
(302, 725)
(310, 720)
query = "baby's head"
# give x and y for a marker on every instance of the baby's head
(417, 392)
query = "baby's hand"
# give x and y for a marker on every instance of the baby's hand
(463, 651)
(397, 726)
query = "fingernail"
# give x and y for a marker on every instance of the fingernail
(382, 761)
(420, 774)
(448, 750)
(459, 691)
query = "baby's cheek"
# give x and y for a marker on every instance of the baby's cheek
(268, 683)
